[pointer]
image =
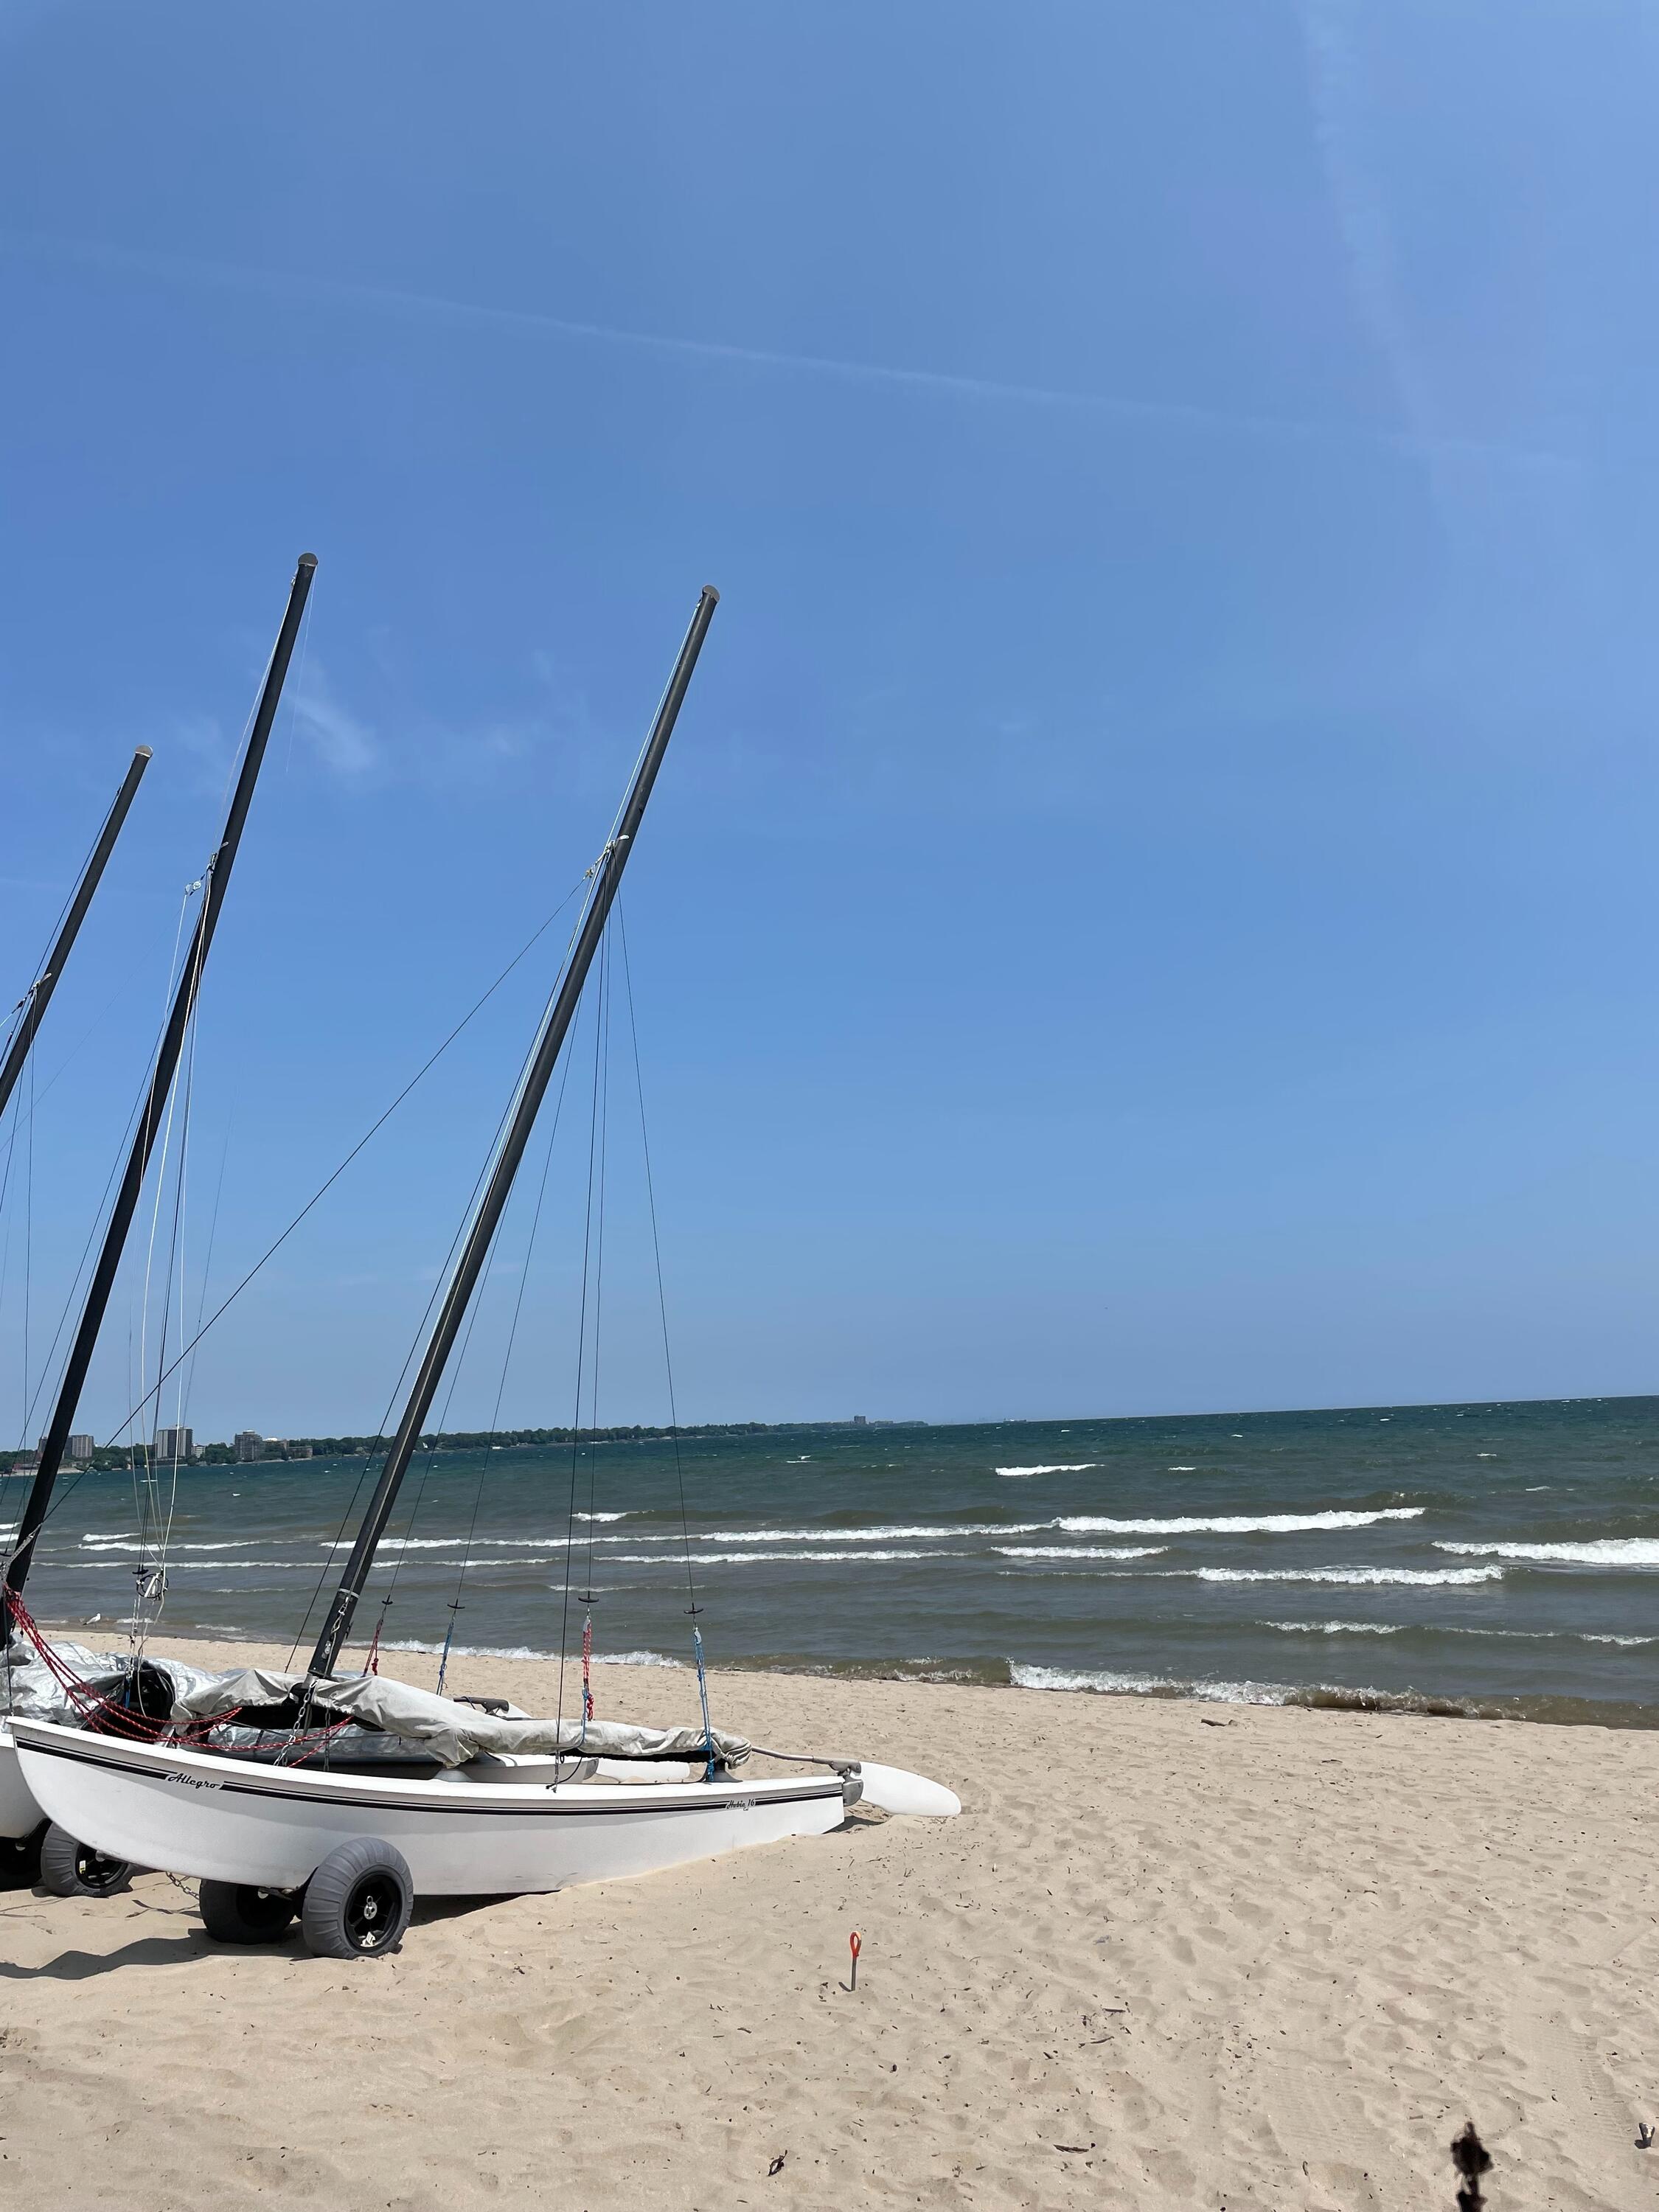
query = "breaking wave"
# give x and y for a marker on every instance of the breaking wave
(1061, 1467)
(1597, 1551)
(528, 1651)
(843, 1536)
(1109, 1683)
(1235, 1524)
(1080, 1550)
(1416, 1576)
(1335, 1628)
(770, 1559)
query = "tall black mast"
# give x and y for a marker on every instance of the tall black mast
(607, 875)
(53, 1444)
(39, 994)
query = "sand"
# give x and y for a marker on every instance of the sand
(1168, 1955)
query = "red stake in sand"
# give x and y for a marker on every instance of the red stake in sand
(857, 1944)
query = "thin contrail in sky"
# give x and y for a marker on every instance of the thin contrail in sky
(946, 384)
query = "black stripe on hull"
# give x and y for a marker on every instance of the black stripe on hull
(550, 1808)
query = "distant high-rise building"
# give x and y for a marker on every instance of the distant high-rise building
(250, 1444)
(860, 1420)
(298, 1451)
(175, 1444)
(81, 1446)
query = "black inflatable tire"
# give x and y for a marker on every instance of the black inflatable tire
(68, 1868)
(20, 1859)
(233, 1912)
(358, 1902)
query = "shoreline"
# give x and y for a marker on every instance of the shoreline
(1169, 1955)
(1542, 1709)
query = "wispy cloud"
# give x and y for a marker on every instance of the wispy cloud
(931, 382)
(345, 745)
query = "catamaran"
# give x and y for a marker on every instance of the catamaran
(36, 1678)
(338, 1797)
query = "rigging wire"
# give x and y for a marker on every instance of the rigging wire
(5, 1247)
(693, 1608)
(147, 1582)
(28, 1238)
(100, 1214)
(455, 1607)
(20, 1012)
(187, 1388)
(67, 1490)
(603, 1110)
(152, 1584)
(656, 1251)
(479, 1183)
(582, 1326)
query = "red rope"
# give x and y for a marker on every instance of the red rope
(117, 1719)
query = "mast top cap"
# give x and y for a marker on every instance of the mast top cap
(307, 560)
(143, 752)
(710, 592)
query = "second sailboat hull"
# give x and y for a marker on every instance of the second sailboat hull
(203, 1815)
(18, 1814)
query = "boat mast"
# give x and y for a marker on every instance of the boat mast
(38, 996)
(606, 876)
(56, 1440)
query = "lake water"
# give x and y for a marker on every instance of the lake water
(1499, 1559)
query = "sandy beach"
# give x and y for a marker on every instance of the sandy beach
(1167, 1956)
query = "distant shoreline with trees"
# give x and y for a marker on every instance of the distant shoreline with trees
(111, 1459)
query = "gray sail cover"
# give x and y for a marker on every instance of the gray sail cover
(29, 1688)
(451, 1733)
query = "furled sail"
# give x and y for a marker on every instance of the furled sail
(446, 1730)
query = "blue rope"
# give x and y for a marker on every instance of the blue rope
(449, 1638)
(702, 1692)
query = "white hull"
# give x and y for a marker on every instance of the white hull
(200, 1814)
(18, 1814)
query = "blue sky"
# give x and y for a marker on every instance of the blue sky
(1151, 902)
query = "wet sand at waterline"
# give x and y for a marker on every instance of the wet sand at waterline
(1167, 1956)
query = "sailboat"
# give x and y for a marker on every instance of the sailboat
(336, 1798)
(34, 1677)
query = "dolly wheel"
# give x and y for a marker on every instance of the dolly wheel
(358, 1902)
(69, 1868)
(235, 1912)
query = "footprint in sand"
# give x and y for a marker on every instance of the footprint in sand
(1595, 2113)
(1319, 2121)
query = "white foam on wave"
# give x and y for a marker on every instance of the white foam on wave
(893, 1535)
(238, 1566)
(1456, 1628)
(1081, 1551)
(770, 1559)
(401, 1543)
(1061, 1467)
(550, 1543)
(1596, 1551)
(238, 1544)
(1415, 1577)
(1104, 1681)
(602, 1517)
(529, 1651)
(1333, 1627)
(1235, 1524)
